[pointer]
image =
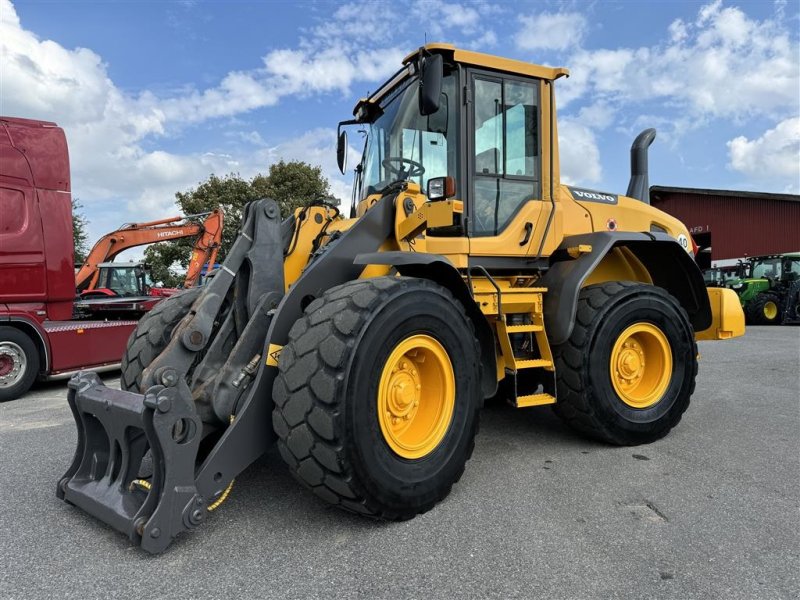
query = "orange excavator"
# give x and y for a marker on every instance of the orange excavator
(91, 277)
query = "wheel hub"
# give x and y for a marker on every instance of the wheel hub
(770, 310)
(405, 388)
(641, 365)
(12, 364)
(416, 396)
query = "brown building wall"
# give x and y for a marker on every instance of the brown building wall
(739, 225)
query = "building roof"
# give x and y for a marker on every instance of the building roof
(655, 190)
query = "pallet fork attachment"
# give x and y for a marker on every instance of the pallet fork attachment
(205, 415)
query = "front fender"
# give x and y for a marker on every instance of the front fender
(440, 270)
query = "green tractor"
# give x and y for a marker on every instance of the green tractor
(770, 290)
(727, 276)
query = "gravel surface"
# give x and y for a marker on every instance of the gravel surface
(711, 511)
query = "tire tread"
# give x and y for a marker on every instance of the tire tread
(574, 403)
(331, 325)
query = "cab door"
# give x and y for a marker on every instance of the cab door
(505, 208)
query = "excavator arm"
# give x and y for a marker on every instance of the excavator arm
(130, 235)
(205, 248)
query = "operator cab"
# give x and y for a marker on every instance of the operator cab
(124, 279)
(466, 126)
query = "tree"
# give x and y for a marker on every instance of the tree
(80, 238)
(290, 184)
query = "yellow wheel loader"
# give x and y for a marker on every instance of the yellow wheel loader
(365, 346)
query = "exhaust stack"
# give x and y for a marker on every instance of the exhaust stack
(639, 186)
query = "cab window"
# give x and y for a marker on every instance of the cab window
(506, 151)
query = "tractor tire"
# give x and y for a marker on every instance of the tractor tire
(627, 372)
(19, 363)
(377, 398)
(151, 336)
(765, 309)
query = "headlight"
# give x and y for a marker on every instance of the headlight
(738, 286)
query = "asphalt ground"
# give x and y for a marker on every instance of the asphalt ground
(711, 511)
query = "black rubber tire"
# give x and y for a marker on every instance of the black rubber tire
(32, 361)
(152, 334)
(325, 396)
(587, 400)
(755, 309)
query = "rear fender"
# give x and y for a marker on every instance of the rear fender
(667, 264)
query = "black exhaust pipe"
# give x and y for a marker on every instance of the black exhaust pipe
(639, 186)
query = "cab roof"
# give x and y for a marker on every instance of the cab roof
(490, 61)
(465, 57)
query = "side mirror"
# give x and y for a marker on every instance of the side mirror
(430, 87)
(341, 151)
(437, 122)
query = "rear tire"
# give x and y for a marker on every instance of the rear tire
(339, 366)
(151, 336)
(645, 335)
(765, 309)
(19, 363)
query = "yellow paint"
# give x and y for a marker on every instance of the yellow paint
(273, 354)
(309, 223)
(416, 396)
(727, 316)
(489, 61)
(534, 400)
(576, 251)
(770, 310)
(620, 264)
(641, 365)
(366, 203)
(430, 214)
(379, 270)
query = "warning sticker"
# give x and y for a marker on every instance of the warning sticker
(272, 355)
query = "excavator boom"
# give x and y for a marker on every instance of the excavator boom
(205, 248)
(130, 235)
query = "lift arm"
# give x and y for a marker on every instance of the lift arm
(130, 235)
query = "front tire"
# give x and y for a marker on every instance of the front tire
(151, 336)
(19, 363)
(377, 398)
(627, 372)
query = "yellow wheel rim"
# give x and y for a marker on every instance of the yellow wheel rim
(641, 365)
(416, 396)
(770, 310)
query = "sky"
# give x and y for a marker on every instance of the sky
(156, 96)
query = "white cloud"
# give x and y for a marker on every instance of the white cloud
(722, 65)
(578, 153)
(551, 31)
(116, 178)
(774, 155)
(442, 19)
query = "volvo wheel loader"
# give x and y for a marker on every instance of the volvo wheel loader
(366, 345)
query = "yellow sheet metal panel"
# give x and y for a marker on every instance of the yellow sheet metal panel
(309, 224)
(620, 264)
(727, 316)
(489, 61)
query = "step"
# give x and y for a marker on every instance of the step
(534, 400)
(536, 363)
(523, 328)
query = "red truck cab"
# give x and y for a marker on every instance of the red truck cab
(41, 336)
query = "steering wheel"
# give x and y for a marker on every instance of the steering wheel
(416, 169)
